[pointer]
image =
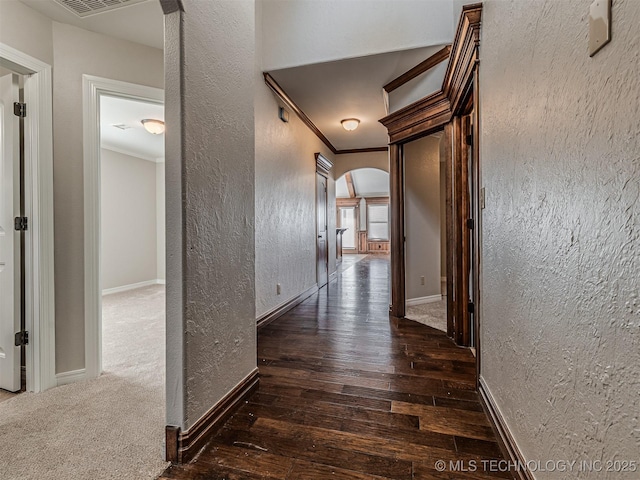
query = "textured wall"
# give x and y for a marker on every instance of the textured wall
(422, 217)
(128, 219)
(77, 52)
(285, 204)
(216, 150)
(561, 164)
(352, 161)
(161, 222)
(285, 197)
(302, 32)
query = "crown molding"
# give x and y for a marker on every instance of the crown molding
(438, 57)
(277, 89)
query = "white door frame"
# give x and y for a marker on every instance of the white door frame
(38, 195)
(92, 89)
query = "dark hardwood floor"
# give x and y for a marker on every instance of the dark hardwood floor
(345, 393)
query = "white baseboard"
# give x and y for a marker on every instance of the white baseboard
(421, 300)
(73, 376)
(161, 281)
(133, 286)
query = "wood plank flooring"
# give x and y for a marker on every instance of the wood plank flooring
(345, 393)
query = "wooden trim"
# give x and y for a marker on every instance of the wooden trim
(376, 200)
(181, 446)
(464, 56)
(396, 212)
(350, 187)
(172, 434)
(323, 164)
(439, 110)
(438, 57)
(348, 202)
(362, 150)
(277, 89)
(450, 206)
(418, 119)
(270, 316)
(506, 441)
(362, 241)
(462, 213)
(477, 215)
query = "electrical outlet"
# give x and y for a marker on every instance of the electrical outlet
(421, 280)
(278, 289)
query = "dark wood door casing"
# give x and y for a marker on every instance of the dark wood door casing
(322, 247)
(445, 110)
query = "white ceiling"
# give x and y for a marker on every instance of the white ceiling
(367, 182)
(141, 22)
(330, 92)
(135, 141)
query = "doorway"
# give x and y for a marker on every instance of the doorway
(322, 247)
(132, 231)
(123, 171)
(12, 307)
(26, 239)
(425, 225)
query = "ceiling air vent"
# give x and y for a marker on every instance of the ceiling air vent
(85, 8)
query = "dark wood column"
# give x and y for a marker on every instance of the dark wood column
(396, 172)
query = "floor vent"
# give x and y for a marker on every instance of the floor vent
(85, 8)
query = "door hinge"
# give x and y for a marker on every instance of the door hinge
(22, 338)
(20, 109)
(470, 223)
(469, 139)
(471, 307)
(21, 223)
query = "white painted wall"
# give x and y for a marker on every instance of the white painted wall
(77, 52)
(26, 30)
(285, 201)
(211, 322)
(302, 32)
(422, 217)
(128, 220)
(559, 147)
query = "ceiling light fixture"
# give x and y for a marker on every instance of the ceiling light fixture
(350, 124)
(155, 127)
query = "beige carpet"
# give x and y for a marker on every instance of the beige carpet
(111, 427)
(431, 314)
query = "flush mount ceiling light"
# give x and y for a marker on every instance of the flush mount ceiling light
(350, 124)
(153, 126)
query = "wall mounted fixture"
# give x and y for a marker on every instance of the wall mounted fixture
(283, 115)
(155, 127)
(350, 124)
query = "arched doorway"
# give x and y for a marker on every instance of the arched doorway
(362, 211)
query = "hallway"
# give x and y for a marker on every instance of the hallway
(345, 393)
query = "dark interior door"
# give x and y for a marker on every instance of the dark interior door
(321, 242)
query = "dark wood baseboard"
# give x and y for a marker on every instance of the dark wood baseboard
(506, 441)
(267, 318)
(181, 446)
